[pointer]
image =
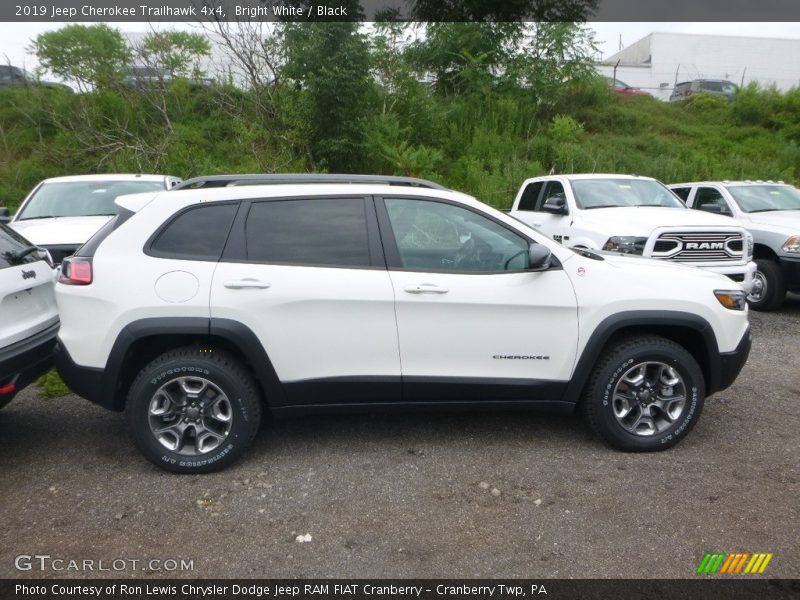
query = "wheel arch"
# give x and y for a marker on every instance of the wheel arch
(142, 341)
(764, 252)
(689, 330)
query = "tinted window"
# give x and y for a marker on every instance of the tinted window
(196, 234)
(435, 236)
(530, 195)
(682, 193)
(10, 244)
(323, 231)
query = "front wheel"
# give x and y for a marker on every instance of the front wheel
(193, 410)
(769, 288)
(645, 394)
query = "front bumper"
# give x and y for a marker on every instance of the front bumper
(24, 362)
(790, 267)
(744, 275)
(731, 363)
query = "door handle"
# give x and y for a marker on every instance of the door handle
(426, 288)
(247, 283)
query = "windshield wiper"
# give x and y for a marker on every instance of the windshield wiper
(39, 217)
(101, 215)
(604, 206)
(772, 209)
(18, 255)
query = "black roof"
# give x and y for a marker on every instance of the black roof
(213, 181)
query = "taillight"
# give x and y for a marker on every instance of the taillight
(76, 271)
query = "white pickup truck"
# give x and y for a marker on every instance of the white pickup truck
(635, 215)
(771, 213)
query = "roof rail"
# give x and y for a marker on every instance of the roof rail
(215, 181)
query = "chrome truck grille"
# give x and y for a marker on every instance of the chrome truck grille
(699, 247)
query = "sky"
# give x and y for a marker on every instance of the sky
(15, 37)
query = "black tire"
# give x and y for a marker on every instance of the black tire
(774, 291)
(618, 358)
(199, 364)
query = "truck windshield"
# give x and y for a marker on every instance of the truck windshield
(765, 198)
(615, 193)
(81, 198)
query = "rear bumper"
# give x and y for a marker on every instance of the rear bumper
(86, 382)
(791, 272)
(731, 363)
(22, 363)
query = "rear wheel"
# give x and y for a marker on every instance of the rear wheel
(193, 410)
(645, 394)
(769, 288)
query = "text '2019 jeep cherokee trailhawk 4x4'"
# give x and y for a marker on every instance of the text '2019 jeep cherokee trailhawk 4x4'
(195, 313)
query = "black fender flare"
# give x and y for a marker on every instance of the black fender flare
(613, 324)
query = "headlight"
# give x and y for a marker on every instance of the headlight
(750, 245)
(626, 244)
(732, 299)
(792, 244)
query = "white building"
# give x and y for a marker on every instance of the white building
(660, 60)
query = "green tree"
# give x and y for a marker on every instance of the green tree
(89, 55)
(329, 63)
(178, 53)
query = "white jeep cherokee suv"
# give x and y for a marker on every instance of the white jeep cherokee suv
(61, 213)
(196, 314)
(634, 215)
(771, 213)
(28, 313)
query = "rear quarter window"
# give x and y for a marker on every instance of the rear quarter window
(196, 233)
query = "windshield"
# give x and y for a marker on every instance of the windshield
(765, 198)
(608, 193)
(82, 198)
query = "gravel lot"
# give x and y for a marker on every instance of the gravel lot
(458, 495)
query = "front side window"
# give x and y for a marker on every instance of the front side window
(436, 236)
(682, 192)
(320, 231)
(198, 233)
(710, 200)
(765, 198)
(554, 190)
(614, 193)
(82, 198)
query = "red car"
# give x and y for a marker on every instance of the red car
(620, 87)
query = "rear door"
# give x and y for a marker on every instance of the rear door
(27, 298)
(307, 276)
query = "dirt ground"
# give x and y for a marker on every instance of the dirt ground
(446, 495)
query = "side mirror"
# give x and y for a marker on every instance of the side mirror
(556, 205)
(711, 208)
(5, 215)
(538, 257)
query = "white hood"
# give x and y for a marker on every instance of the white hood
(59, 230)
(640, 221)
(780, 221)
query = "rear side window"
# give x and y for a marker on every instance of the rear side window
(198, 233)
(682, 192)
(10, 244)
(530, 195)
(322, 231)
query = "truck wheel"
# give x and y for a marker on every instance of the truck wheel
(769, 289)
(193, 410)
(645, 394)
